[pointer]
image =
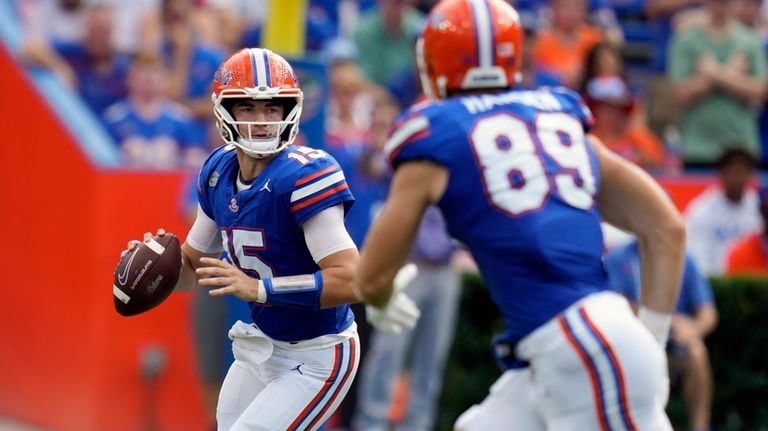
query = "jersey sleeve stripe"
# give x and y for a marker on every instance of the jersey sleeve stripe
(404, 133)
(311, 177)
(319, 197)
(317, 186)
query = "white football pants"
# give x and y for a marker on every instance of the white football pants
(593, 367)
(275, 385)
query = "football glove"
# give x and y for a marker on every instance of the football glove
(401, 312)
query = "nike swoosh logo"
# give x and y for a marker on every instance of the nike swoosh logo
(123, 277)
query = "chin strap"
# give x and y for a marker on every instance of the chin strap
(259, 154)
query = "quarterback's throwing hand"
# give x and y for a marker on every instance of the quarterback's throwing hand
(227, 279)
(401, 312)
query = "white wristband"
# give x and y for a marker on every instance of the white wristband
(657, 323)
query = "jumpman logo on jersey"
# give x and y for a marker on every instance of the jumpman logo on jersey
(266, 186)
(297, 368)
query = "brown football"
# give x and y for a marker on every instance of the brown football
(146, 275)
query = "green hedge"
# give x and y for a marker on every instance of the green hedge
(738, 349)
(739, 352)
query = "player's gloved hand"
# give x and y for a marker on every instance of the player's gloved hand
(401, 312)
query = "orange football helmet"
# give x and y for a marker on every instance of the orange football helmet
(469, 44)
(258, 74)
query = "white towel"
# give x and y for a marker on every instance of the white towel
(249, 344)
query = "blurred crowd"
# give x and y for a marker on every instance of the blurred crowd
(676, 86)
(672, 84)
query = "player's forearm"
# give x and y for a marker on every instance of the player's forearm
(187, 278)
(190, 259)
(385, 252)
(374, 283)
(324, 289)
(416, 186)
(338, 287)
(330, 287)
(662, 254)
(632, 200)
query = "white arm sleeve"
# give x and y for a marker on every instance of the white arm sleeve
(204, 235)
(326, 234)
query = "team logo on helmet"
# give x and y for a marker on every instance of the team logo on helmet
(223, 76)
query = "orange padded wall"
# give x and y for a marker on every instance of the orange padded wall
(68, 361)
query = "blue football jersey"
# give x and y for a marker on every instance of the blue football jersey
(521, 194)
(261, 228)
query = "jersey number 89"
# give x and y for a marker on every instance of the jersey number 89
(513, 165)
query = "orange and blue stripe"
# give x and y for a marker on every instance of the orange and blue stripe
(604, 369)
(262, 76)
(317, 186)
(344, 368)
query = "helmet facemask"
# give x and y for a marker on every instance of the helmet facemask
(259, 139)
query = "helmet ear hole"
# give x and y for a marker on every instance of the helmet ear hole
(288, 104)
(228, 132)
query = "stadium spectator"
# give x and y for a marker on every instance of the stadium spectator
(368, 172)
(661, 20)
(723, 213)
(562, 47)
(350, 102)
(436, 291)
(385, 37)
(532, 76)
(612, 105)
(537, 14)
(53, 21)
(620, 119)
(749, 254)
(694, 319)
(63, 21)
(668, 17)
(129, 17)
(91, 65)
(191, 60)
(750, 13)
(368, 176)
(602, 59)
(151, 130)
(718, 71)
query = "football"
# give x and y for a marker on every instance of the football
(147, 275)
